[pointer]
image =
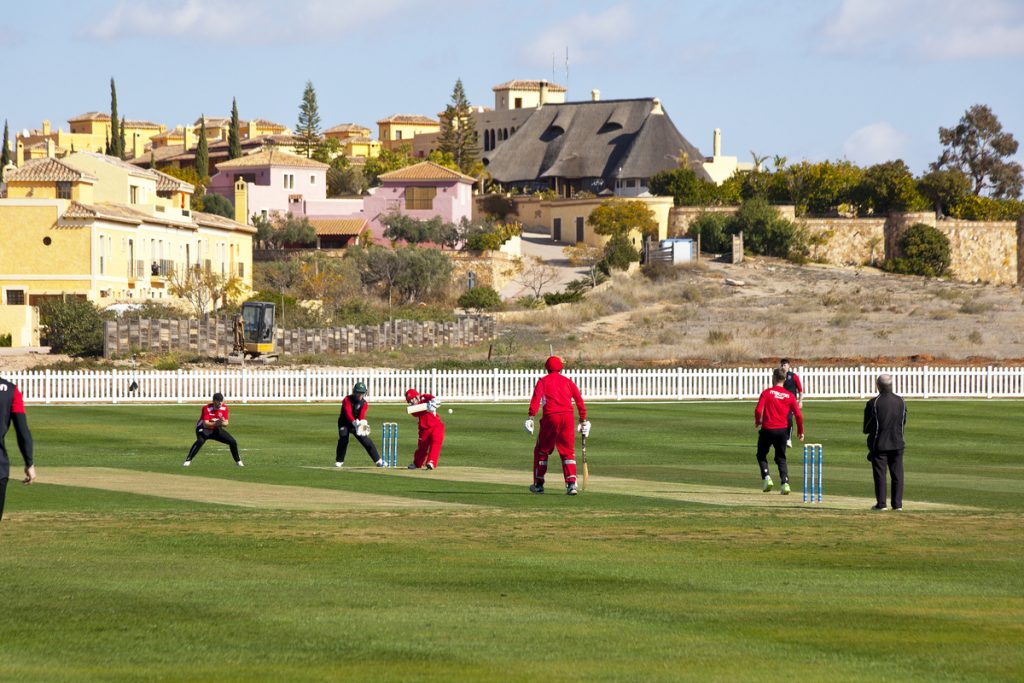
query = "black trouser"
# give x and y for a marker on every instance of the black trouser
(893, 461)
(3, 495)
(221, 434)
(344, 430)
(773, 438)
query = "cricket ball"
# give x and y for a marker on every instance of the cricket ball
(450, 411)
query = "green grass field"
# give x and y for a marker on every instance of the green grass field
(120, 565)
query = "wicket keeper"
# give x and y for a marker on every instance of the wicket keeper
(556, 393)
(211, 424)
(431, 430)
(12, 409)
(352, 420)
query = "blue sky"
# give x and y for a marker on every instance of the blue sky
(868, 80)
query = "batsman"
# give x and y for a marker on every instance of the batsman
(556, 393)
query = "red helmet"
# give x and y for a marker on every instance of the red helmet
(410, 394)
(553, 364)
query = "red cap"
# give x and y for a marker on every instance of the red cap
(553, 364)
(410, 394)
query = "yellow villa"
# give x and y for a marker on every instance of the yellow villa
(98, 228)
(355, 141)
(89, 132)
(400, 129)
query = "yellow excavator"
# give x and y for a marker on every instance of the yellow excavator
(259, 341)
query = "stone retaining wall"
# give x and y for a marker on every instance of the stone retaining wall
(213, 338)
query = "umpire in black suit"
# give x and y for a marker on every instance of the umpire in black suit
(884, 418)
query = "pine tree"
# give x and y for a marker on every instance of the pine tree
(115, 145)
(234, 135)
(124, 147)
(5, 158)
(202, 151)
(307, 130)
(458, 132)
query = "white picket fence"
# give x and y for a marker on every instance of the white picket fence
(331, 384)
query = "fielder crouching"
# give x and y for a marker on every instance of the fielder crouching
(352, 421)
(211, 424)
(556, 393)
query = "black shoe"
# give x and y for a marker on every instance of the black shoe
(537, 488)
(879, 508)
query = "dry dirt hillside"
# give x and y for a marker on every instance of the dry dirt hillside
(717, 313)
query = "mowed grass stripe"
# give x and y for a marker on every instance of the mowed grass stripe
(228, 491)
(667, 490)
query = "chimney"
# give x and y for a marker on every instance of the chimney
(188, 135)
(50, 148)
(595, 95)
(46, 127)
(19, 154)
(716, 144)
(656, 106)
(543, 92)
(138, 146)
(241, 201)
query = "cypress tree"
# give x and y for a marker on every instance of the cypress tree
(202, 151)
(5, 157)
(124, 147)
(307, 130)
(458, 132)
(114, 145)
(234, 135)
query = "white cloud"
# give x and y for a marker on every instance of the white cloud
(875, 143)
(585, 35)
(928, 29)
(229, 20)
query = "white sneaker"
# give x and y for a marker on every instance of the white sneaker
(430, 466)
(187, 463)
(570, 489)
(240, 463)
(768, 484)
(338, 464)
(381, 463)
(789, 443)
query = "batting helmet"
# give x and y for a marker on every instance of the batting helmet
(411, 394)
(553, 364)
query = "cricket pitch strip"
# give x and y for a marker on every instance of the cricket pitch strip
(683, 492)
(229, 491)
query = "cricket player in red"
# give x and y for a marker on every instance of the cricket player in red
(211, 424)
(12, 410)
(352, 420)
(556, 393)
(771, 416)
(431, 430)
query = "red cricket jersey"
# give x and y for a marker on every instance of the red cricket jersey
(347, 412)
(426, 419)
(773, 408)
(556, 393)
(210, 414)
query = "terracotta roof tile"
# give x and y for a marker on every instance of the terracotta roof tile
(139, 123)
(48, 171)
(126, 214)
(346, 128)
(168, 183)
(410, 118)
(270, 157)
(211, 220)
(338, 226)
(90, 116)
(426, 170)
(528, 85)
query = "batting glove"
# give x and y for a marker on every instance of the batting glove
(433, 405)
(528, 425)
(584, 428)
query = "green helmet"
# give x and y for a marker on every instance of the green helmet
(359, 388)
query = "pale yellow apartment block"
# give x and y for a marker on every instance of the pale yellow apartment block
(88, 132)
(98, 228)
(355, 140)
(400, 129)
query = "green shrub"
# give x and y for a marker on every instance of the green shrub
(553, 298)
(497, 205)
(886, 187)
(619, 253)
(483, 297)
(6, 339)
(923, 251)
(713, 230)
(490, 236)
(74, 327)
(765, 232)
(974, 208)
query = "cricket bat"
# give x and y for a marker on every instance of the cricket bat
(416, 408)
(586, 467)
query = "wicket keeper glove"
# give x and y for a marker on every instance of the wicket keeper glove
(528, 425)
(355, 425)
(363, 428)
(584, 428)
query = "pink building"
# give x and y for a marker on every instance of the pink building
(422, 191)
(276, 181)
